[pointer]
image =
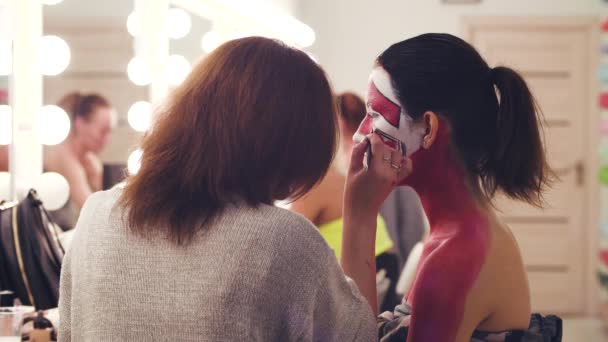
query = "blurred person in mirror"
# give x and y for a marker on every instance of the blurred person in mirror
(77, 157)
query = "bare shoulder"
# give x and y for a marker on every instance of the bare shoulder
(60, 159)
(503, 283)
(321, 199)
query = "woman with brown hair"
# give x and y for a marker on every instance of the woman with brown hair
(192, 248)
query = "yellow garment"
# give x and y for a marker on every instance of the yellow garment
(332, 233)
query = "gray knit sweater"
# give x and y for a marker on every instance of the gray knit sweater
(261, 274)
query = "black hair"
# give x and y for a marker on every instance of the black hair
(493, 116)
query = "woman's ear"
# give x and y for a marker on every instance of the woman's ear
(431, 124)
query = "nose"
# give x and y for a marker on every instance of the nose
(365, 128)
(366, 125)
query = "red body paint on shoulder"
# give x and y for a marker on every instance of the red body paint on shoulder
(457, 246)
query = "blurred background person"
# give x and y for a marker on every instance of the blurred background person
(76, 158)
(323, 205)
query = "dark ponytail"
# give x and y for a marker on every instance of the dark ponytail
(493, 116)
(517, 165)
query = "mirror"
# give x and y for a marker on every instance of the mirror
(94, 92)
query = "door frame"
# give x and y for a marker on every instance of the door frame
(591, 218)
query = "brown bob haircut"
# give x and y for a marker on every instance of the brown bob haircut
(254, 122)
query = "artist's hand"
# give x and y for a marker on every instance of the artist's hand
(367, 188)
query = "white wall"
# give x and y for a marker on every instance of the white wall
(289, 6)
(351, 33)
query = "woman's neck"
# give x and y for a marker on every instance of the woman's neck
(75, 146)
(444, 188)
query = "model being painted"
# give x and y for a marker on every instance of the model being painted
(433, 98)
(446, 186)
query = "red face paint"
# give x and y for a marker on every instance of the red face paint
(366, 126)
(389, 110)
(457, 246)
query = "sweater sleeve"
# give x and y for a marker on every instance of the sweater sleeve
(65, 300)
(322, 304)
(341, 312)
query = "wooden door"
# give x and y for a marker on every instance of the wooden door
(554, 57)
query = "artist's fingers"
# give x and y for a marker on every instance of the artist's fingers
(387, 163)
(376, 142)
(357, 156)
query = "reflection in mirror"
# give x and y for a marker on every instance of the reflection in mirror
(95, 94)
(190, 45)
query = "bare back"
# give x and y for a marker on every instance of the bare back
(471, 277)
(500, 298)
(503, 283)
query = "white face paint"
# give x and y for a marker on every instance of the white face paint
(387, 117)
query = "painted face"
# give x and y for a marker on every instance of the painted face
(387, 117)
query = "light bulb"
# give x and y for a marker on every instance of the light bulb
(53, 189)
(54, 56)
(178, 23)
(178, 69)
(307, 36)
(134, 161)
(132, 24)
(51, 2)
(6, 129)
(210, 41)
(6, 57)
(140, 116)
(138, 71)
(53, 125)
